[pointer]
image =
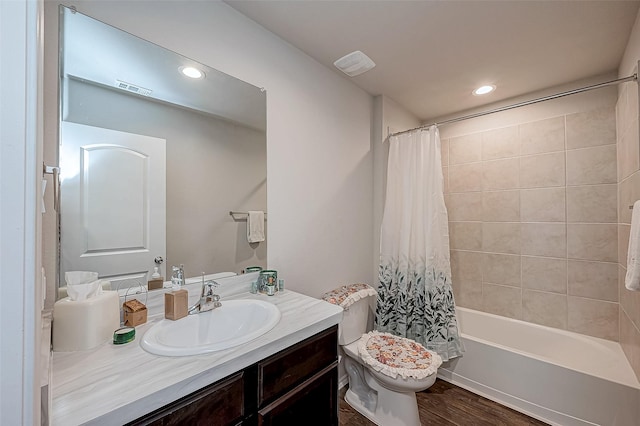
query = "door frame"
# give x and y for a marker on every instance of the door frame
(21, 295)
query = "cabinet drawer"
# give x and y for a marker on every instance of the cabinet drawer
(283, 371)
(312, 403)
(219, 404)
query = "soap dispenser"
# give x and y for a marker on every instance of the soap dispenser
(156, 280)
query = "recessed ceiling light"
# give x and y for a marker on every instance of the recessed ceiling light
(483, 90)
(192, 72)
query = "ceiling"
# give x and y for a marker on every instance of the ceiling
(430, 55)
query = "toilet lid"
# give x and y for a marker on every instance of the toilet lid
(397, 356)
(347, 295)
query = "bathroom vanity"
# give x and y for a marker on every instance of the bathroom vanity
(289, 373)
(295, 386)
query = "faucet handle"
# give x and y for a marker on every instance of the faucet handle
(208, 287)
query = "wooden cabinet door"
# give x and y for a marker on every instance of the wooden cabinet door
(312, 403)
(283, 371)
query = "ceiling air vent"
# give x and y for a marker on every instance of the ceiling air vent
(133, 88)
(355, 63)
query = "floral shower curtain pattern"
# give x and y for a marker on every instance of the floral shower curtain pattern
(415, 299)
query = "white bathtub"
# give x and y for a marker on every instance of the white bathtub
(559, 377)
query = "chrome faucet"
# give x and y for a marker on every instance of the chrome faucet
(208, 299)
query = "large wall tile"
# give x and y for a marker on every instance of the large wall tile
(595, 280)
(593, 317)
(465, 235)
(445, 179)
(466, 265)
(465, 177)
(548, 309)
(621, 105)
(501, 269)
(629, 300)
(501, 237)
(444, 151)
(502, 300)
(545, 274)
(501, 174)
(468, 294)
(629, 145)
(624, 232)
(501, 206)
(627, 107)
(542, 205)
(464, 206)
(592, 242)
(591, 128)
(544, 239)
(500, 143)
(522, 199)
(592, 203)
(630, 342)
(542, 136)
(543, 170)
(632, 102)
(628, 193)
(465, 149)
(588, 166)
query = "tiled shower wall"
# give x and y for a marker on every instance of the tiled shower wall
(628, 142)
(533, 221)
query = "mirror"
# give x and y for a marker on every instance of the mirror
(152, 161)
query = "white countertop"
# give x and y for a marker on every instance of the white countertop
(114, 384)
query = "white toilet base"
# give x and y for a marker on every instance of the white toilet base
(402, 403)
(394, 408)
(383, 406)
(355, 403)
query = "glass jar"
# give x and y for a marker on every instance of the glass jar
(267, 277)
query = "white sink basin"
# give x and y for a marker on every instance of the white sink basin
(234, 323)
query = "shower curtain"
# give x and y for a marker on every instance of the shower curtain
(415, 298)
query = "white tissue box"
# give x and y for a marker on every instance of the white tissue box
(82, 325)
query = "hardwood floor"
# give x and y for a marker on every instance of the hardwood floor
(444, 404)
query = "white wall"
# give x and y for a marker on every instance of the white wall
(318, 134)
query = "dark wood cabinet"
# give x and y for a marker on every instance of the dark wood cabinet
(298, 385)
(312, 403)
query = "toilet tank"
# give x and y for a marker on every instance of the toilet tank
(355, 320)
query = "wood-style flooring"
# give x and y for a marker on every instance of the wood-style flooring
(444, 404)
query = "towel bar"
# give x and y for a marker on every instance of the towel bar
(232, 213)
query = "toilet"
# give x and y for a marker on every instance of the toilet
(385, 371)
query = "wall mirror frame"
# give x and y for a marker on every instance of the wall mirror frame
(152, 161)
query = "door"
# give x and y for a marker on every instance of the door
(112, 203)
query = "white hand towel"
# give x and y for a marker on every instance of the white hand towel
(632, 280)
(255, 226)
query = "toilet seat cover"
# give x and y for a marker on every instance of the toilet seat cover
(347, 295)
(397, 356)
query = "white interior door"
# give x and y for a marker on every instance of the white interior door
(112, 203)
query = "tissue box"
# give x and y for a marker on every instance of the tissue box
(135, 312)
(82, 325)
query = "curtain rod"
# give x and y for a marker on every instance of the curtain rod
(633, 77)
